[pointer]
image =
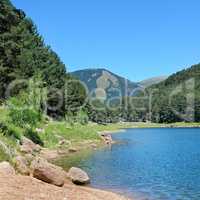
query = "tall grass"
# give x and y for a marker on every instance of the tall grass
(54, 131)
(3, 155)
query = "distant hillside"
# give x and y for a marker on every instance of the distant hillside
(152, 81)
(105, 84)
(178, 97)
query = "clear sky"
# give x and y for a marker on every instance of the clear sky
(137, 39)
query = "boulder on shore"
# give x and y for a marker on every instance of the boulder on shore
(6, 168)
(28, 188)
(107, 138)
(28, 146)
(78, 176)
(72, 150)
(47, 172)
(49, 154)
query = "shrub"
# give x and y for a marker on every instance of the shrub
(9, 131)
(22, 113)
(32, 135)
(82, 117)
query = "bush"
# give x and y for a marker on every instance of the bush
(9, 131)
(82, 117)
(32, 135)
(24, 117)
(22, 113)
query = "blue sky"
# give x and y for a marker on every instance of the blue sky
(137, 39)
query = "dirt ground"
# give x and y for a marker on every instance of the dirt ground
(19, 187)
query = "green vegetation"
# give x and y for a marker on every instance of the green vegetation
(21, 114)
(9, 135)
(179, 93)
(34, 87)
(23, 53)
(3, 155)
(76, 133)
(25, 56)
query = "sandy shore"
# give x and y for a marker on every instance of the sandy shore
(19, 187)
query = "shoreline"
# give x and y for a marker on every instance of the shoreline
(55, 154)
(26, 187)
(123, 129)
(20, 187)
(93, 146)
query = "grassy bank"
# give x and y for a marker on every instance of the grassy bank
(77, 135)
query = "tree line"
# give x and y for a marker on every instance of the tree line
(24, 56)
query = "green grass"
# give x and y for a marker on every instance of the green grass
(149, 125)
(77, 133)
(54, 131)
(3, 156)
(8, 148)
(186, 124)
(8, 138)
(3, 114)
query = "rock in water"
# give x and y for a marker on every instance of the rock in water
(6, 168)
(78, 176)
(47, 172)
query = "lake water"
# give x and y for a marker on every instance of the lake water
(153, 164)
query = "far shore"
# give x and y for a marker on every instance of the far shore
(92, 145)
(122, 126)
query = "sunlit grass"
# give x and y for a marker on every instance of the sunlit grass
(54, 131)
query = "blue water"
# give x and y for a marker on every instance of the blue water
(150, 164)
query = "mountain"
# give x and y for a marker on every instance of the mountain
(105, 84)
(151, 81)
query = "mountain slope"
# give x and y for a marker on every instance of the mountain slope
(105, 84)
(23, 53)
(178, 97)
(151, 81)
